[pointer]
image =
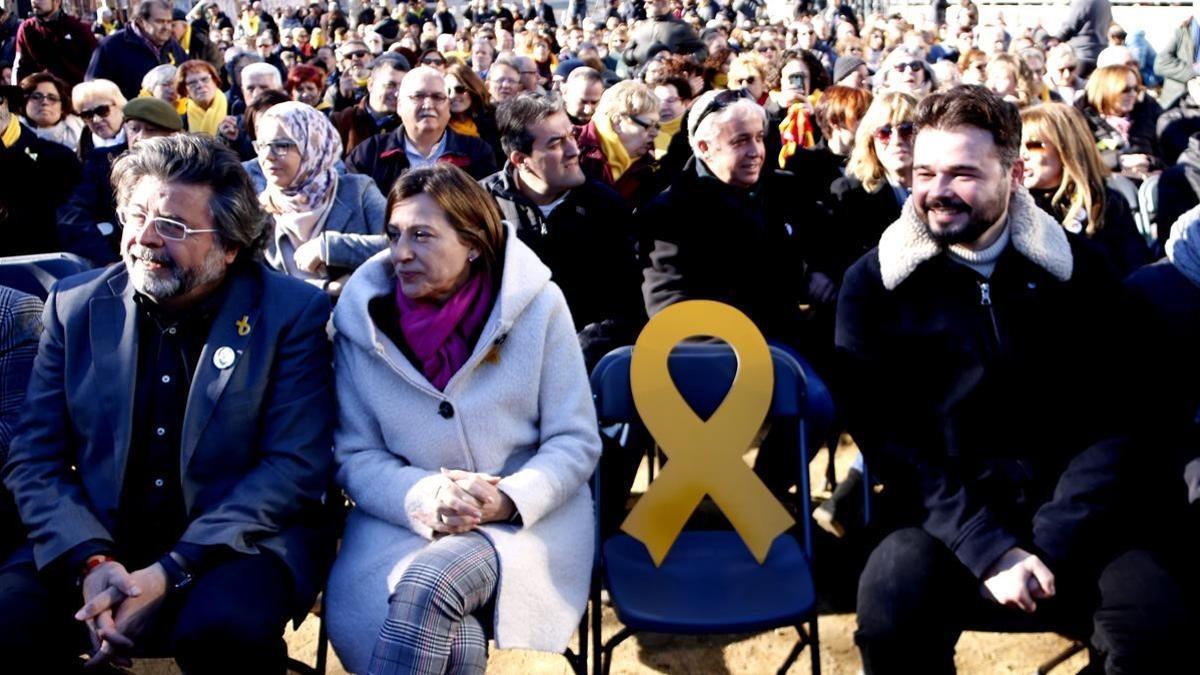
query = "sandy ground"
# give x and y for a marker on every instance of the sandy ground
(978, 653)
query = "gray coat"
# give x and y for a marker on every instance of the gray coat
(1086, 27)
(1175, 64)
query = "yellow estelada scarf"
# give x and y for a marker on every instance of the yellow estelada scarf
(663, 140)
(180, 103)
(187, 39)
(796, 130)
(201, 121)
(610, 144)
(465, 127)
(11, 133)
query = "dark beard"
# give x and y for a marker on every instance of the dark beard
(978, 221)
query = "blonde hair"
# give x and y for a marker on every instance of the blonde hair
(627, 98)
(891, 107)
(94, 90)
(1027, 93)
(1106, 85)
(1083, 173)
(752, 62)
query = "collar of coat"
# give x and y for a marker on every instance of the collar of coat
(1035, 234)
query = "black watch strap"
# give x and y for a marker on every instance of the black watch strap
(178, 576)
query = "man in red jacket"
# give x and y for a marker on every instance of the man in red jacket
(55, 41)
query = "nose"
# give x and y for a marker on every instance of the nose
(148, 236)
(570, 148)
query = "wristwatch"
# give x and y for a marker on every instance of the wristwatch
(178, 576)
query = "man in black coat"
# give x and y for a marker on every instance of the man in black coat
(666, 30)
(128, 54)
(580, 228)
(976, 338)
(422, 138)
(194, 41)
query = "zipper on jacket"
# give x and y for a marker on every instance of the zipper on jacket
(985, 299)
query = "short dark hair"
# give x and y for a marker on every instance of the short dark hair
(682, 86)
(516, 116)
(971, 105)
(143, 8)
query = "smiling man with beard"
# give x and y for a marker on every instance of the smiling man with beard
(977, 337)
(175, 446)
(422, 138)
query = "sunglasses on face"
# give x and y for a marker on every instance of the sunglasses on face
(1129, 90)
(722, 101)
(48, 98)
(457, 90)
(904, 130)
(99, 111)
(644, 124)
(909, 65)
(1034, 145)
(745, 81)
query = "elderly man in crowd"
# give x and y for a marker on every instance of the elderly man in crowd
(376, 113)
(87, 223)
(422, 137)
(52, 40)
(128, 54)
(174, 450)
(973, 335)
(503, 80)
(581, 94)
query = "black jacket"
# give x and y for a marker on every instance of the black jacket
(858, 219)
(589, 245)
(1178, 189)
(93, 203)
(677, 36)
(382, 157)
(125, 59)
(969, 396)
(1118, 240)
(38, 175)
(705, 240)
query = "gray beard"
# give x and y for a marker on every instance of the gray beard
(177, 282)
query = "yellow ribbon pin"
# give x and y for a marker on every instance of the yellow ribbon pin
(243, 325)
(706, 455)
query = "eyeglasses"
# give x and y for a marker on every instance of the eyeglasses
(433, 61)
(644, 124)
(743, 81)
(98, 111)
(722, 101)
(48, 98)
(420, 97)
(279, 148)
(457, 90)
(904, 130)
(1130, 90)
(197, 81)
(359, 54)
(1033, 145)
(504, 81)
(909, 65)
(165, 227)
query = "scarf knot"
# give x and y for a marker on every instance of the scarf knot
(442, 336)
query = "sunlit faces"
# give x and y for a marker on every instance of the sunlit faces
(460, 96)
(278, 155)
(581, 97)
(670, 105)
(254, 84)
(637, 133)
(200, 87)
(383, 89)
(736, 153)
(553, 162)
(960, 187)
(424, 106)
(504, 82)
(44, 107)
(307, 92)
(103, 117)
(157, 26)
(1043, 164)
(137, 131)
(430, 260)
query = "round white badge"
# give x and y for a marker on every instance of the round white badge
(224, 357)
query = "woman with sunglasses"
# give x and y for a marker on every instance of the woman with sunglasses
(471, 109)
(1064, 173)
(616, 146)
(99, 103)
(1123, 120)
(48, 111)
(905, 70)
(878, 179)
(749, 71)
(326, 223)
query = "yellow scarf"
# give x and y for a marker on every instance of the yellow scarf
(465, 127)
(11, 133)
(201, 121)
(187, 38)
(796, 130)
(618, 159)
(663, 140)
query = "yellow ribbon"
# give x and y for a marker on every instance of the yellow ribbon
(706, 455)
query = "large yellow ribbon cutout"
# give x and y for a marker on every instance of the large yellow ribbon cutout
(706, 455)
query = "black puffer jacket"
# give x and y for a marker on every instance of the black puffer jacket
(1143, 133)
(36, 176)
(1118, 239)
(588, 243)
(969, 396)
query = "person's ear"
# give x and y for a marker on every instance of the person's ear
(1017, 174)
(518, 158)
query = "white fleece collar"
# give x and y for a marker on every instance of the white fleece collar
(1035, 234)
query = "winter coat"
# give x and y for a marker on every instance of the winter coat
(1085, 27)
(125, 58)
(859, 219)
(1118, 240)
(969, 395)
(1143, 133)
(520, 408)
(87, 222)
(1178, 189)
(356, 124)
(589, 244)
(668, 31)
(1174, 64)
(382, 157)
(61, 46)
(38, 175)
(705, 240)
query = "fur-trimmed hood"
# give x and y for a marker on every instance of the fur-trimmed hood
(1035, 234)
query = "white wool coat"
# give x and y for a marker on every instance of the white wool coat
(522, 409)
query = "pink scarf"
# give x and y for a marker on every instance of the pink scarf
(441, 336)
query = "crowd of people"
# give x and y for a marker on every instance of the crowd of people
(368, 255)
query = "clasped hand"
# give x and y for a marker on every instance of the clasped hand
(1018, 579)
(467, 500)
(117, 606)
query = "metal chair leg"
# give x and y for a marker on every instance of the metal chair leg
(801, 642)
(1054, 662)
(814, 645)
(621, 636)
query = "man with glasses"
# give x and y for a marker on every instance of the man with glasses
(422, 137)
(503, 81)
(128, 54)
(376, 113)
(172, 464)
(52, 40)
(87, 223)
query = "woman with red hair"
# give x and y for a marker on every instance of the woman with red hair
(306, 84)
(200, 84)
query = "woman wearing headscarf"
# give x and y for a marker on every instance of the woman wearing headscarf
(326, 223)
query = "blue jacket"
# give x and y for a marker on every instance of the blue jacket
(382, 157)
(125, 59)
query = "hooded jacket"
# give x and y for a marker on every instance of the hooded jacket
(971, 396)
(520, 408)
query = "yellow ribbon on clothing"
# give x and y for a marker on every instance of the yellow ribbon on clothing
(706, 455)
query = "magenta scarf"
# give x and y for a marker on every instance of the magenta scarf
(440, 336)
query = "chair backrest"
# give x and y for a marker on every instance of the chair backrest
(1148, 198)
(35, 274)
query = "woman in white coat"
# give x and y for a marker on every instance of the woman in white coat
(466, 438)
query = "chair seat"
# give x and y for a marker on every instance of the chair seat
(709, 583)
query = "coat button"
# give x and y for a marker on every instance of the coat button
(445, 409)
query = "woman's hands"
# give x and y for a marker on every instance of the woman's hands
(308, 256)
(467, 500)
(228, 128)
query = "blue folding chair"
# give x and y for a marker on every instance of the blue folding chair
(35, 274)
(709, 582)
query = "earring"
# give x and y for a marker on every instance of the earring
(471, 257)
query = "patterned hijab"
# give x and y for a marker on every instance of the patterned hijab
(300, 208)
